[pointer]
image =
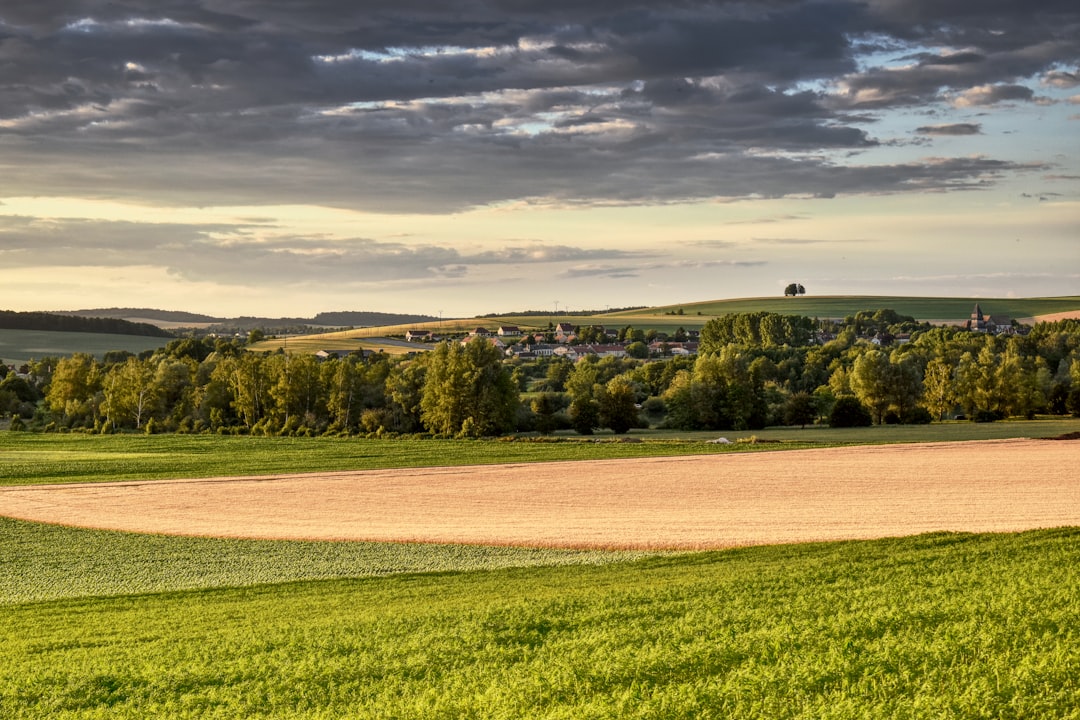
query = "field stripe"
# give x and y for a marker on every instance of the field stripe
(685, 502)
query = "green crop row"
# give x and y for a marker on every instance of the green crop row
(50, 562)
(945, 625)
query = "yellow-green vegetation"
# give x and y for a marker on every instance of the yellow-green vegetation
(51, 562)
(944, 625)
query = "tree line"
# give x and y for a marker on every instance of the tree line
(752, 370)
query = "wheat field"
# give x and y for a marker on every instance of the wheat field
(693, 502)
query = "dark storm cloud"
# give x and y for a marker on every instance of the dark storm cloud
(420, 106)
(951, 129)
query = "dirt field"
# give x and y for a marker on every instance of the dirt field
(686, 502)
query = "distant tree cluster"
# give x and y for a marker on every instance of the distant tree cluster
(10, 320)
(794, 289)
(753, 370)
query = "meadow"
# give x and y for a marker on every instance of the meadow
(32, 458)
(942, 625)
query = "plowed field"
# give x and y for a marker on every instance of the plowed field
(685, 502)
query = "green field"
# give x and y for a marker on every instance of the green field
(20, 346)
(841, 306)
(944, 625)
(51, 562)
(30, 458)
(101, 624)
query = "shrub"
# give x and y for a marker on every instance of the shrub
(847, 411)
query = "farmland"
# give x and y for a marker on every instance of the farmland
(20, 346)
(30, 458)
(98, 623)
(943, 625)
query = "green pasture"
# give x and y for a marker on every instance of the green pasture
(20, 346)
(935, 626)
(32, 458)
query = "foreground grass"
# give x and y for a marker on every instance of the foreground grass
(945, 625)
(28, 458)
(49, 562)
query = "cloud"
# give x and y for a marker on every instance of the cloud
(255, 255)
(951, 129)
(418, 106)
(609, 271)
(993, 94)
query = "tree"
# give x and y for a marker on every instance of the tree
(72, 390)
(618, 409)
(849, 412)
(794, 289)
(583, 388)
(939, 396)
(544, 406)
(129, 393)
(870, 382)
(800, 409)
(468, 391)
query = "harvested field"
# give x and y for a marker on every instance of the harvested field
(682, 502)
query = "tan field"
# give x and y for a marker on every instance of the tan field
(687, 502)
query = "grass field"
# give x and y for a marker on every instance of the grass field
(19, 346)
(840, 306)
(945, 625)
(27, 458)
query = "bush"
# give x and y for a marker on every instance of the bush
(847, 411)
(918, 416)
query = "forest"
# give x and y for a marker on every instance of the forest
(752, 370)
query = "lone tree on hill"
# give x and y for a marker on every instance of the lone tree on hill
(794, 289)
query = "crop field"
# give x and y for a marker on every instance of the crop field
(19, 346)
(51, 562)
(840, 306)
(30, 458)
(942, 625)
(98, 623)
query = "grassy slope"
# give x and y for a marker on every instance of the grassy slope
(52, 458)
(934, 626)
(697, 314)
(922, 308)
(19, 346)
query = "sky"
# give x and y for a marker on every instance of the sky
(287, 157)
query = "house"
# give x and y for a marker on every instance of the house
(565, 332)
(508, 331)
(417, 335)
(994, 324)
(489, 337)
(479, 332)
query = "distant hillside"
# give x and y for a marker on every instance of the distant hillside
(10, 320)
(367, 319)
(150, 314)
(176, 318)
(943, 309)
